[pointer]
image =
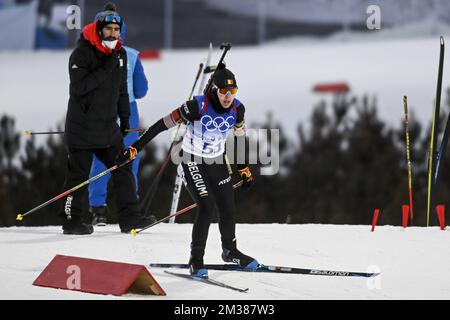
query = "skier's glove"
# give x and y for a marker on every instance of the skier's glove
(129, 153)
(247, 178)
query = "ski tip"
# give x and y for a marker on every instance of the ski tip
(27, 133)
(19, 217)
(133, 232)
(442, 40)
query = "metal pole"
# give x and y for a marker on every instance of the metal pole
(82, 5)
(262, 21)
(168, 24)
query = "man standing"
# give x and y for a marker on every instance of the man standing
(98, 95)
(137, 89)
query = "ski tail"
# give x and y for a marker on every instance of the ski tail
(207, 280)
(205, 70)
(434, 133)
(442, 149)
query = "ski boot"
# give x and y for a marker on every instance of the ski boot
(230, 253)
(76, 226)
(98, 215)
(197, 268)
(136, 222)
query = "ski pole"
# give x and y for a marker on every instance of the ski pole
(192, 206)
(29, 133)
(152, 190)
(65, 193)
(408, 156)
(206, 70)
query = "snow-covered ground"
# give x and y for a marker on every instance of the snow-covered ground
(277, 77)
(413, 262)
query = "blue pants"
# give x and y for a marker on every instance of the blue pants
(98, 188)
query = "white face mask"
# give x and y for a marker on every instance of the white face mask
(110, 44)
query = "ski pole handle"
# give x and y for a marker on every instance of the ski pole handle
(405, 107)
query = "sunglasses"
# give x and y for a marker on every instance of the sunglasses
(113, 18)
(226, 90)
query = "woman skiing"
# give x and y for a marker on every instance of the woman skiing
(209, 119)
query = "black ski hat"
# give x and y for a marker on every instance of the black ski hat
(108, 16)
(224, 78)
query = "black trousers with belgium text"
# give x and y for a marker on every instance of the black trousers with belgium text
(210, 186)
(79, 166)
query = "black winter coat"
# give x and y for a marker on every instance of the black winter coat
(98, 95)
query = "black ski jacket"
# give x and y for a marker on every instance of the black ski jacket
(98, 94)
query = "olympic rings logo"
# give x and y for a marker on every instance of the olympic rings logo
(218, 123)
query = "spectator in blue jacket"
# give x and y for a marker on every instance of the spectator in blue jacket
(137, 89)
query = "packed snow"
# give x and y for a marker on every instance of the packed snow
(413, 262)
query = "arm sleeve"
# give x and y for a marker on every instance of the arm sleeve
(124, 100)
(151, 132)
(187, 113)
(140, 83)
(82, 80)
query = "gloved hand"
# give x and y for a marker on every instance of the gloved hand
(111, 61)
(129, 153)
(124, 126)
(247, 178)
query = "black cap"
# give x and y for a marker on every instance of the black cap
(224, 78)
(108, 16)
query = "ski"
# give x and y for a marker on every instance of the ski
(206, 280)
(434, 132)
(442, 149)
(408, 156)
(206, 70)
(270, 269)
